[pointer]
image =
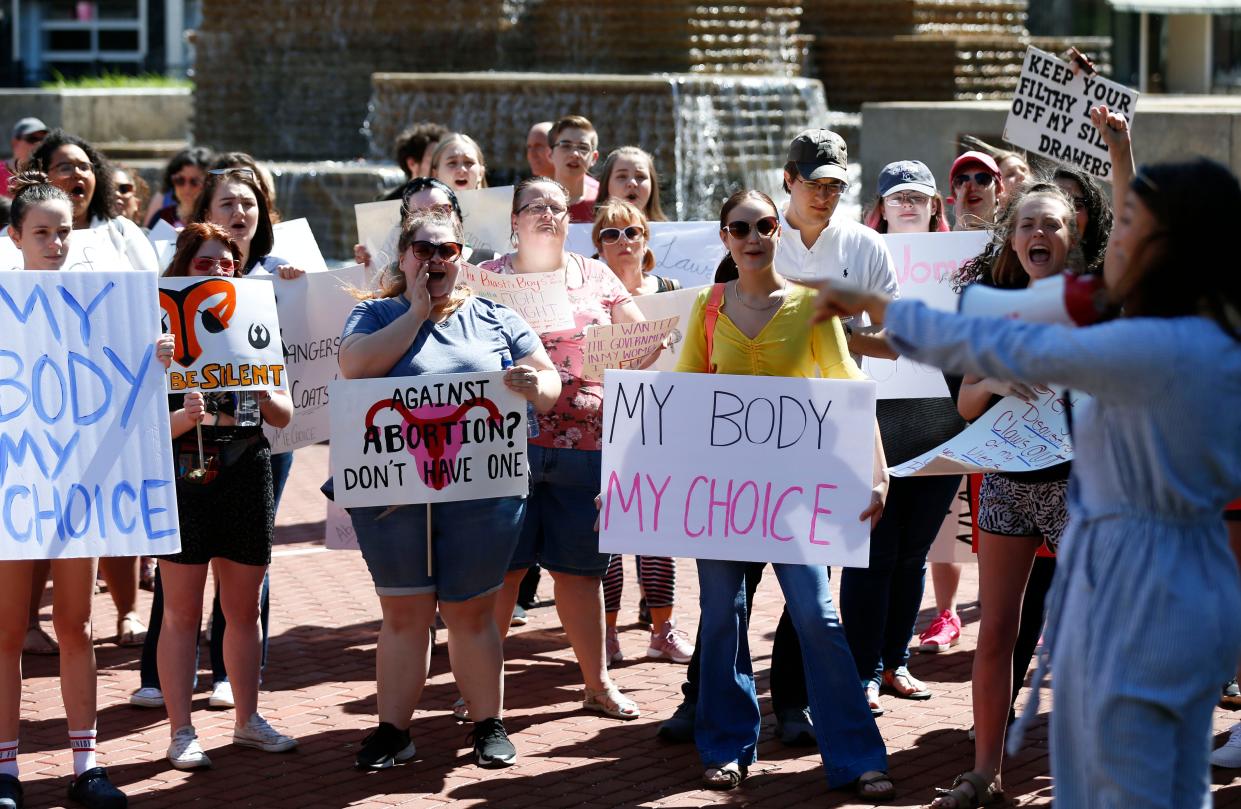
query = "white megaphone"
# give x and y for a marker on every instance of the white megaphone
(1066, 298)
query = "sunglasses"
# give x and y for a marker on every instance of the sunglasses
(612, 235)
(34, 137)
(741, 230)
(982, 179)
(423, 250)
(205, 264)
(125, 188)
(233, 170)
(179, 180)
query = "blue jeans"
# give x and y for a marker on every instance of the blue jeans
(727, 718)
(879, 604)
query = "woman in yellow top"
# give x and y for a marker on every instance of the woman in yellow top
(762, 330)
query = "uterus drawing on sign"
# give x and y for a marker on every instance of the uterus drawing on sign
(435, 435)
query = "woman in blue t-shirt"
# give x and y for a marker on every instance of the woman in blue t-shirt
(422, 322)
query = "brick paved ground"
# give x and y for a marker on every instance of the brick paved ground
(320, 687)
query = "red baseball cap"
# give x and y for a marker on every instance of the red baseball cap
(969, 158)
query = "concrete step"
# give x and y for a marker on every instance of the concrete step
(131, 151)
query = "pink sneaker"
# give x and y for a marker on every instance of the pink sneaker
(611, 646)
(943, 633)
(670, 642)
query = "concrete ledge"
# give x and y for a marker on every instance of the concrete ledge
(150, 114)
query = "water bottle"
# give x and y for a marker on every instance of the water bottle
(246, 409)
(532, 418)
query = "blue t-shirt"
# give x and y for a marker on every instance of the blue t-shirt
(476, 337)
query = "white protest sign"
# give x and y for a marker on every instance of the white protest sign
(296, 245)
(621, 345)
(748, 468)
(90, 250)
(1050, 114)
(924, 264)
(86, 452)
(1013, 436)
(541, 298)
(227, 333)
(338, 529)
(163, 238)
(678, 303)
(686, 251)
(313, 309)
(427, 439)
(485, 214)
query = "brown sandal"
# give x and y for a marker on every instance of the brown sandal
(725, 778)
(970, 791)
(873, 779)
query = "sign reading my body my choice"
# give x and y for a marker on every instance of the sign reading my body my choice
(427, 439)
(85, 449)
(757, 469)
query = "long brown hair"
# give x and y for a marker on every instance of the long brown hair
(194, 236)
(264, 236)
(654, 211)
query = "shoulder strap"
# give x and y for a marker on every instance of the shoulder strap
(710, 315)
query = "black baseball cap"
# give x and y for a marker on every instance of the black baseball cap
(820, 154)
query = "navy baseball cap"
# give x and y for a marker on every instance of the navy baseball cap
(906, 175)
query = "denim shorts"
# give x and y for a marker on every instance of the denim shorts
(473, 541)
(559, 531)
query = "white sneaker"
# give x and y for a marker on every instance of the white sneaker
(185, 753)
(262, 736)
(221, 695)
(147, 697)
(1229, 756)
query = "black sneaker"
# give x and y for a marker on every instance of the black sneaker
(794, 728)
(679, 728)
(384, 747)
(93, 790)
(10, 792)
(491, 745)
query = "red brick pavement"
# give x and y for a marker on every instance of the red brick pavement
(319, 686)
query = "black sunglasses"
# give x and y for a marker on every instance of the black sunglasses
(34, 137)
(980, 178)
(612, 235)
(424, 250)
(765, 227)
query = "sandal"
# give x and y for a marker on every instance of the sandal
(612, 702)
(868, 787)
(904, 685)
(872, 697)
(969, 791)
(130, 631)
(725, 778)
(38, 642)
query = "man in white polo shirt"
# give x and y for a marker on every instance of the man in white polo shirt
(816, 244)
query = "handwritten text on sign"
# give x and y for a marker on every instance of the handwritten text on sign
(86, 448)
(1050, 114)
(227, 333)
(541, 298)
(427, 439)
(622, 345)
(1013, 436)
(686, 251)
(758, 469)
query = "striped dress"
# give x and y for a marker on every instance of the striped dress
(1144, 621)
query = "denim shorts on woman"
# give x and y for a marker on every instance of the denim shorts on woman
(473, 541)
(559, 531)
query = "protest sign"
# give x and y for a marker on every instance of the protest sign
(686, 251)
(295, 244)
(86, 451)
(1050, 114)
(622, 345)
(485, 213)
(541, 298)
(756, 469)
(163, 238)
(427, 439)
(313, 309)
(924, 265)
(678, 303)
(953, 543)
(1013, 436)
(90, 250)
(338, 529)
(227, 333)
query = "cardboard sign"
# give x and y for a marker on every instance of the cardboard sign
(485, 214)
(1050, 114)
(295, 243)
(90, 250)
(227, 332)
(86, 451)
(427, 439)
(622, 345)
(924, 263)
(541, 298)
(163, 238)
(755, 469)
(679, 304)
(313, 310)
(686, 251)
(1013, 436)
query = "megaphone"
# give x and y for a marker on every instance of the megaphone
(1066, 299)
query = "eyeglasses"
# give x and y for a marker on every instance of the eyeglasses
(832, 188)
(613, 235)
(34, 137)
(541, 208)
(583, 149)
(181, 179)
(901, 200)
(69, 168)
(125, 188)
(982, 179)
(765, 227)
(424, 250)
(205, 265)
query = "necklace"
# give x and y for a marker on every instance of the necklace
(771, 302)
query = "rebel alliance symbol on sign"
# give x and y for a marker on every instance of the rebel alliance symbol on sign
(181, 312)
(258, 335)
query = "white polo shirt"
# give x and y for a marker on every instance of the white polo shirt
(845, 250)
